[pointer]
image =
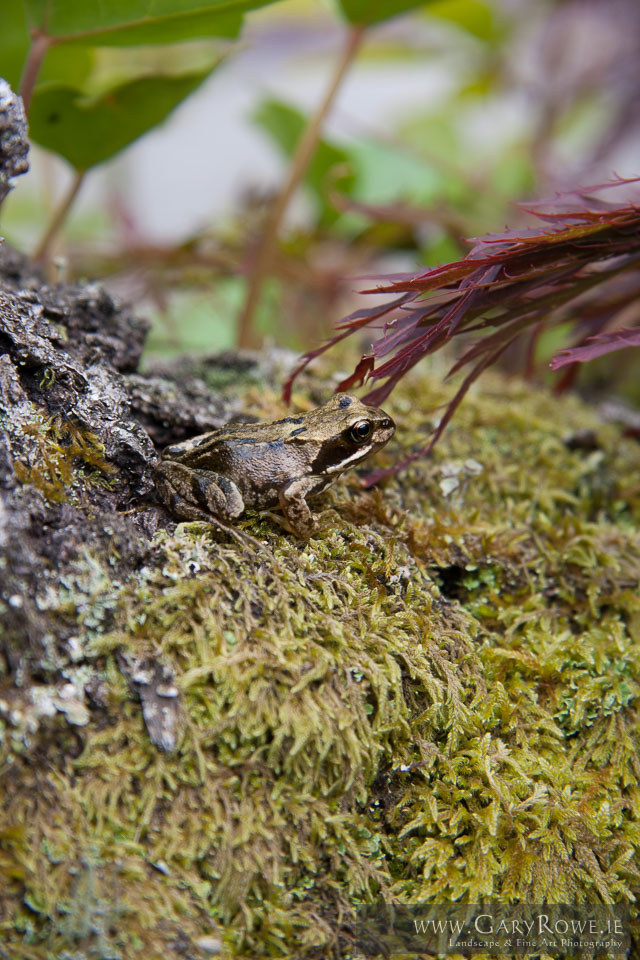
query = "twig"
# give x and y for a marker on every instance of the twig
(299, 163)
(40, 43)
(59, 216)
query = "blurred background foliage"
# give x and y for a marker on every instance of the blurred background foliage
(164, 139)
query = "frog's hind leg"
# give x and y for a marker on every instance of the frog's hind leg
(197, 494)
(219, 494)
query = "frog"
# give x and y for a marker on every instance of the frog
(216, 476)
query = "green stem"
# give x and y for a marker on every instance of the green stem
(299, 163)
(43, 249)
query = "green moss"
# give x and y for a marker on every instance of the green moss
(435, 699)
(57, 455)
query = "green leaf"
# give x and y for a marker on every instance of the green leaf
(86, 131)
(115, 66)
(385, 174)
(14, 41)
(474, 16)
(64, 65)
(367, 12)
(285, 125)
(125, 22)
(471, 15)
(116, 23)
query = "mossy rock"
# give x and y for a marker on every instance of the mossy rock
(435, 699)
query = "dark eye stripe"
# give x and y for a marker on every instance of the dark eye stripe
(332, 453)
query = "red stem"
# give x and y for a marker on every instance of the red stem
(43, 249)
(40, 43)
(299, 163)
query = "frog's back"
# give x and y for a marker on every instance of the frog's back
(258, 457)
(208, 449)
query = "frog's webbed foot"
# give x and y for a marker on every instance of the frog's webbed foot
(194, 514)
(240, 535)
(282, 522)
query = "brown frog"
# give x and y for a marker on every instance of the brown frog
(256, 466)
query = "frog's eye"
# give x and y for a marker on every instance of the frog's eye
(361, 431)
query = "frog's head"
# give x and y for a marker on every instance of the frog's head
(348, 432)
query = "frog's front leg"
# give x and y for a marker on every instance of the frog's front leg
(197, 494)
(294, 505)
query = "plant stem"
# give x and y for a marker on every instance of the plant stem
(299, 163)
(40, 43)
(43, 249)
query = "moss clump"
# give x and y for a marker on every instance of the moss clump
(435, 699)
(57, 454)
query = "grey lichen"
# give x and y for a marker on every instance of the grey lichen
(14, 139)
